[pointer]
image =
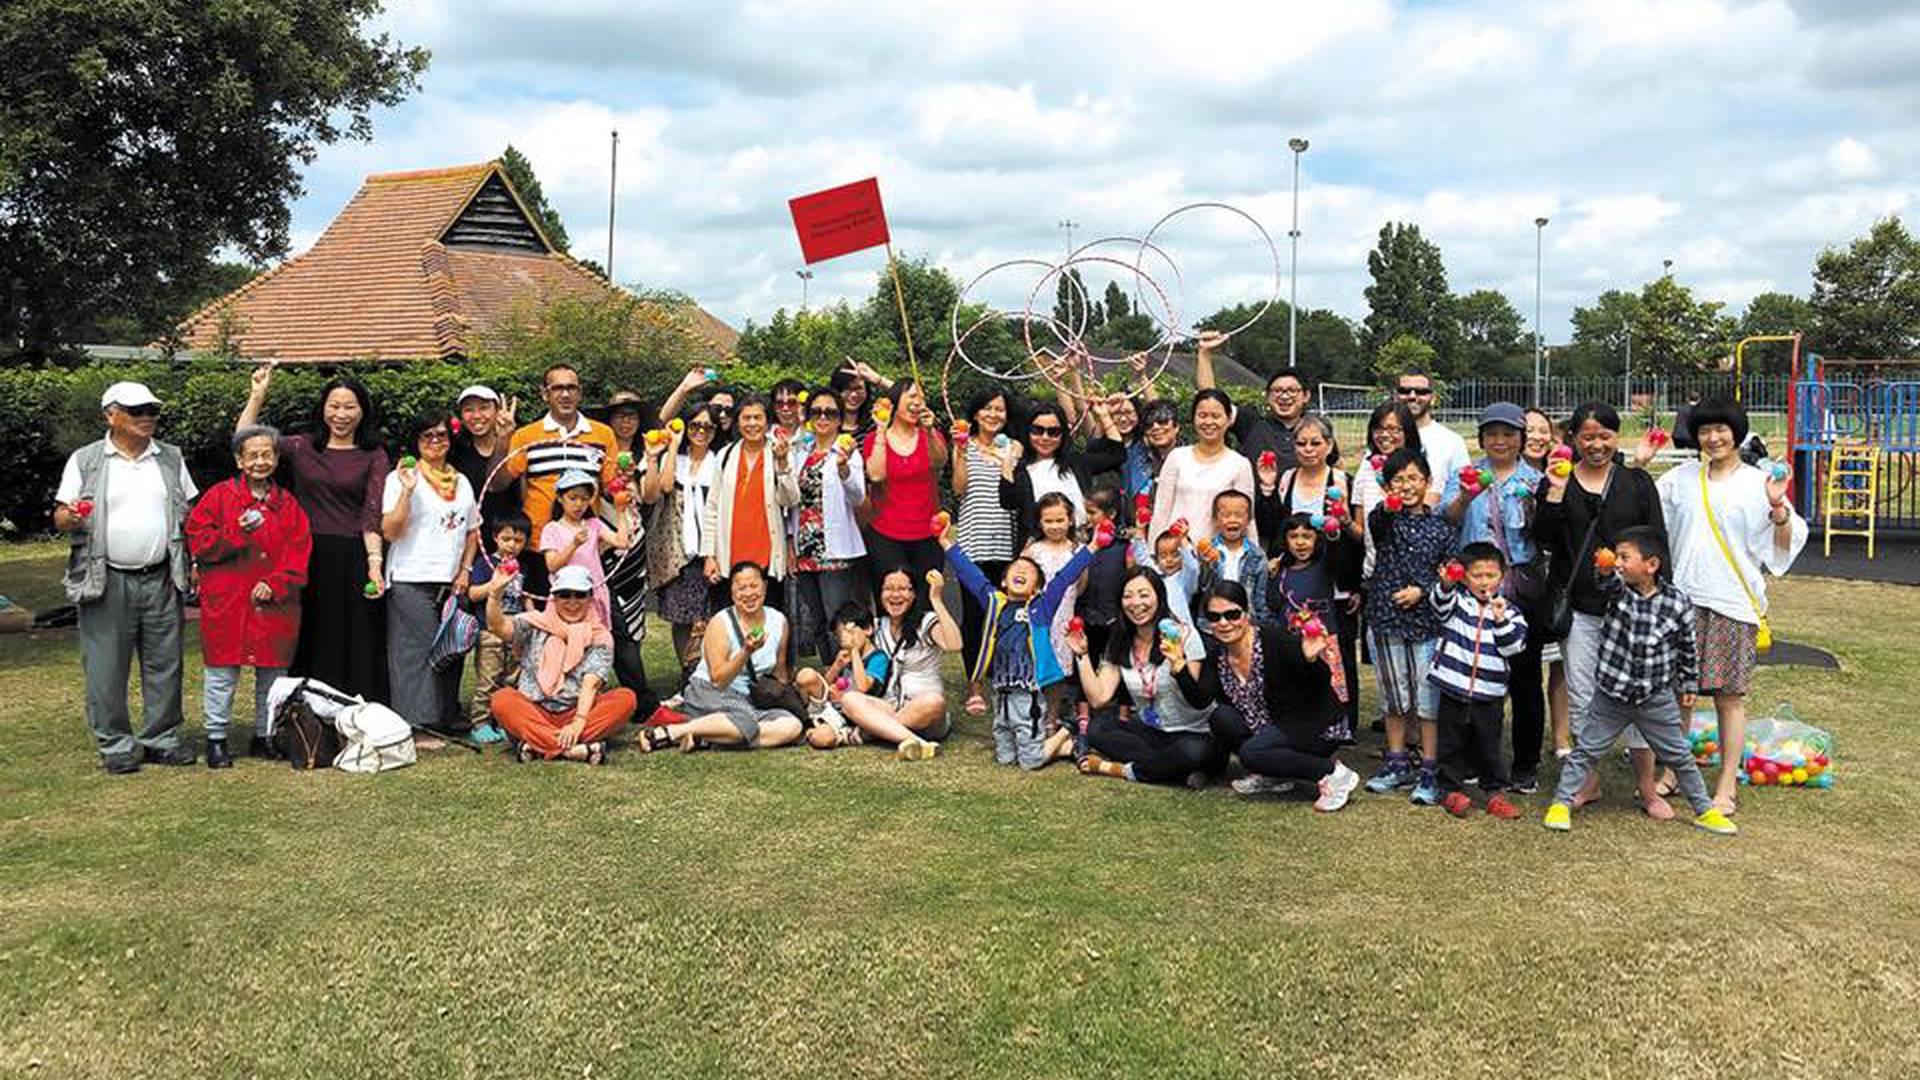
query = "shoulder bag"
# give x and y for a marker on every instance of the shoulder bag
(1763, 638)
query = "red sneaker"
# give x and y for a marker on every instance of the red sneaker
(1502, 807)
(1457, 804)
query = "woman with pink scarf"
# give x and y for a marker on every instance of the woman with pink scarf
(558, 709)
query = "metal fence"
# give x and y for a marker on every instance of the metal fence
(1559, 395)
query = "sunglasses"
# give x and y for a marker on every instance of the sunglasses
(700, 425)
(1414, 391)
(434, 436)
(1229, 615)
(1047, 432)
(141, 410)
(570, 594)
(1155, 421)
(823, 412)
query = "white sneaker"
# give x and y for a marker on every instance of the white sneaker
(1255, 784)
(1335, 788)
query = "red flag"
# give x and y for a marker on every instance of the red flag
(840, 220)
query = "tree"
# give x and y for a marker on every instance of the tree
(1328, 350)
(1673, 334)
(187, 294)
(138, 138)
(1123, 327)
(1490, 332)
(1402, 354)
(1600, 335)
(1073, 307)
(520, 174)
(1116, 302)
(1409, 295)
(1866, 299)
(1773, 313)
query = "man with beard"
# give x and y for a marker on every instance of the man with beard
(1446, 451)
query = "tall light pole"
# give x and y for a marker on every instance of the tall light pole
(1298, 146)
(613, 185)
(1069, 224)
(1666, 267)
(806, 277)
(1626, 369)
(1539, 234)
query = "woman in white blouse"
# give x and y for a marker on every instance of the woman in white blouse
(1757, 530)
(680, 474)
(1193, 475)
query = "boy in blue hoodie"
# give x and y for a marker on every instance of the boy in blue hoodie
(1016, 652)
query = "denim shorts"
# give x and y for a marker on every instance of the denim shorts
(1401, 666)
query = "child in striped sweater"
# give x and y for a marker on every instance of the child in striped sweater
(1479, 630)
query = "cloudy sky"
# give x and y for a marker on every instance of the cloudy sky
(1735, 138)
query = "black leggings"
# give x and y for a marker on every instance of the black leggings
(973, 616)
(1157, 757)
(885, 554)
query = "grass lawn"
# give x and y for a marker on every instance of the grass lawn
(793, 913)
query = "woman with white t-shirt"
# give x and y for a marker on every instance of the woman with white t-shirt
(905, 703)
(431, 519)
(681, 472)
(1724, 540)
(1193, 475)
(1053, 465)
(1168, 740)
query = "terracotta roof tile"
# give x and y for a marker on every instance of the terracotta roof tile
(380, 284)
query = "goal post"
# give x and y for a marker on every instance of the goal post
(1347, 399)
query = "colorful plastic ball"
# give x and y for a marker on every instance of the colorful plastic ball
(1824, 780)
(1318, 520)
(1799, 776)
(1778, 470)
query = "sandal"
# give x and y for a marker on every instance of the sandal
(1656, 808)
(1726, 805)
(1667, 787)
(526, 755)
(653, 738)
(596, 753)
(690, 742)
(976, 705)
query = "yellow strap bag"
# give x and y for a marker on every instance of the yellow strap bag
(1763, 640)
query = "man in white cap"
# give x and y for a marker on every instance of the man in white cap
(480, 445)
(123, 502)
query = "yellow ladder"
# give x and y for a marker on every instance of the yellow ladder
(1853, 493)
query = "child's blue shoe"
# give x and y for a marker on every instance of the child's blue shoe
(487, 734)
(1391, 776)
(1427, 791)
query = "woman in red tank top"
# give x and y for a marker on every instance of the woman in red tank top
(905, 457)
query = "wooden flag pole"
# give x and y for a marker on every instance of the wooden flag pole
(900, 298)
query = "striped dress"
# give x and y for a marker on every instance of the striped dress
(984, 529)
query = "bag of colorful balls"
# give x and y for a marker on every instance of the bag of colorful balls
(1781, 751)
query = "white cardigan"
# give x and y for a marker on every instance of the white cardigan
(1740, 505)
(780, 493)
(838, 501)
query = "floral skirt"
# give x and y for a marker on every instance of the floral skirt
(1728, 652)
(683, 601)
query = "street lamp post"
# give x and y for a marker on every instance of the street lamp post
(1539, 233)
(1298, 146)
(1069, 224)
(806, 278)
(1626, 369)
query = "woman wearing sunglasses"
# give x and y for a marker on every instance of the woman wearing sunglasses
(430, 516)
(1053, 465)
(1273, 702)
(827, 546)
(680, 473)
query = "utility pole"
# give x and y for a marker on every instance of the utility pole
(613, 185)
(1298, 146)
(1069, 224)
(806, 277)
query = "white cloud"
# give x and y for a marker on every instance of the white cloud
(1724, 134)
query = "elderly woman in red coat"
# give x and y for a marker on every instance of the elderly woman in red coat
(250, 541)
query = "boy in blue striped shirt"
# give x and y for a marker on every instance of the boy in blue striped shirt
(1479, 630)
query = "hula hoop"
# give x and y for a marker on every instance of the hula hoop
(1273, 252)
(607, 572)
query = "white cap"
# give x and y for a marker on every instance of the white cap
(484, 393)
(127, 395)
(572, 579)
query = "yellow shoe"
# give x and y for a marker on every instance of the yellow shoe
(916, 750)
(1716, 822)
(1559, 818)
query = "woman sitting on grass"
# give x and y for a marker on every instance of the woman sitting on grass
(558, 710)
(743, 642)
(1168, 740)
(896, 694)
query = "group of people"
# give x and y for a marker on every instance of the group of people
(1153, 591)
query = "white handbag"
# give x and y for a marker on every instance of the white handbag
(373, 739)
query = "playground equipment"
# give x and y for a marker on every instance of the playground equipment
(1853, 493)
(1855, 440)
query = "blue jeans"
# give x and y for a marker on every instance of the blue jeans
(1020, 728)
(216, 699)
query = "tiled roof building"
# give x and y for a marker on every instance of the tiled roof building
(424, 264)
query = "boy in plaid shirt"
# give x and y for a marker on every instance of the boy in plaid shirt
(1647, 676)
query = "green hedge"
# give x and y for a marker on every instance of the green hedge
(45, 413)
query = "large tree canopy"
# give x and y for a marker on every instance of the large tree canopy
(1409, 297)
(139, 137)
(1866, 299)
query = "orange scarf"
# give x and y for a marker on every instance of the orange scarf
(567, 645)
